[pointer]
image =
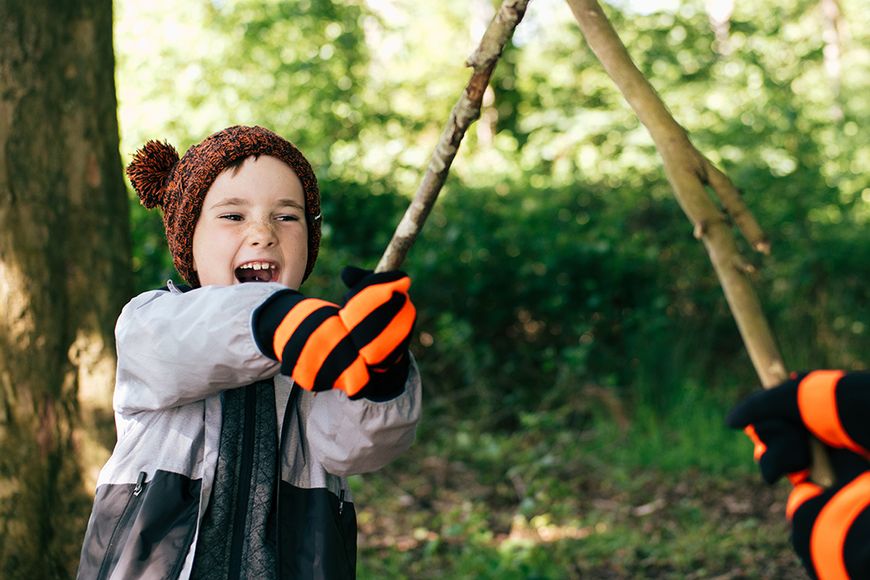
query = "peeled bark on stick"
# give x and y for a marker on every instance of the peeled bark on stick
(466, 110)
(690, 174)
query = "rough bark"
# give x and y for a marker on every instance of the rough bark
(466, 110)
(64, 274)
(690, 173)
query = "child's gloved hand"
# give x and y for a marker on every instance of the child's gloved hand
(360, 347)
(830, 527)
(379, 313)
(772, 420)
(374, 302)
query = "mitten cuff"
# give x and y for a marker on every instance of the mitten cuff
(268, 316)
(387, 384)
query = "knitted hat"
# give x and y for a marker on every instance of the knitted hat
(179, 186)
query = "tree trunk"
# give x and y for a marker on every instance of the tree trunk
(64, 274)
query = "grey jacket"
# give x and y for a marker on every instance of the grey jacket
(177, 351)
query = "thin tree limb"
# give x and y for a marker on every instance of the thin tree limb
(688, 171)
(464, 113)
(731, 200)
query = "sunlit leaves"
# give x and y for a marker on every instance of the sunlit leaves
(366, 87)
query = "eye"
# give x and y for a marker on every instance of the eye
(287, 217)
(233, 217)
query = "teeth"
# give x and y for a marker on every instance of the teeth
(257, 266)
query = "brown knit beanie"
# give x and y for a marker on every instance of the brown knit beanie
(179, 186)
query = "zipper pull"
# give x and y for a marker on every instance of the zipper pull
(340, 501)
(140, 483)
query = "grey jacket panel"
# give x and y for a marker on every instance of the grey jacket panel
(384, 430)
(178, 351)
(175, 348)
(330, 437)
(169, 439)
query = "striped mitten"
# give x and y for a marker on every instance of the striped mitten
(359, 345)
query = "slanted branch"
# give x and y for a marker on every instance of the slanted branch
(464, 113)
(692, 177)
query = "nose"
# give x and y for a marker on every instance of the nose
(261, 233)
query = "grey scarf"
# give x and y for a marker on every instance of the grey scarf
(237, 534)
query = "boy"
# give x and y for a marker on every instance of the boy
(224, 467)
(830, 527)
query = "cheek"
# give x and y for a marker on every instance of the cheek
(211, 247)
(295, 242)
(300, 246)
(202, 244)
(296, 254)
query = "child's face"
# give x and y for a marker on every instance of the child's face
(252, 226)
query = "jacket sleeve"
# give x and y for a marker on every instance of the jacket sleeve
(175, 348)
(350, 437)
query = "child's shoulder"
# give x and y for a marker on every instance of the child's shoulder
(149, 296)
(174, 296)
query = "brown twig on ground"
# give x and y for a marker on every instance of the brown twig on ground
(466, 110)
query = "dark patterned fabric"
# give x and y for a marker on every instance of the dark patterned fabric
(252, 521)
(179, 186)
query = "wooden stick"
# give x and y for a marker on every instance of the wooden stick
(689, 172)
(464, 113)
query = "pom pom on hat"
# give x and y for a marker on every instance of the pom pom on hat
(149, 172)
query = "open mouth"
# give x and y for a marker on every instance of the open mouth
(257, 271)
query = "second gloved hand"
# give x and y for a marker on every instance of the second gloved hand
(830, 527)
(827, 404)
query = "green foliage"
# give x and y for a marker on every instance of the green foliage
(557, 259)
(568, 496)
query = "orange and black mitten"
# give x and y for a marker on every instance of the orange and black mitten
(830, 527)
(360, 347)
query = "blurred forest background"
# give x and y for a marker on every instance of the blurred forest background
(577, 351)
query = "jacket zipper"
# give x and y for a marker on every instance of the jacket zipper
(129, 510)
(244, 488)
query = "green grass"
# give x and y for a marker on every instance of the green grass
(690, 434)
(567, 496)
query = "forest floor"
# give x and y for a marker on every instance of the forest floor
(552, 504)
